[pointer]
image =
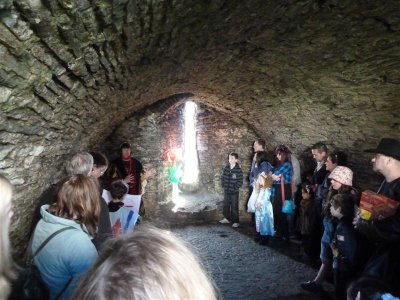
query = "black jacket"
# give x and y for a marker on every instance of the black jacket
(346, 242)
(385, 260)
(319, 175)
(231, 179)
(386, 230)
(120, 168)
(117, 171)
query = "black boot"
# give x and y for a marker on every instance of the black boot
(264, 240)
(257, 238)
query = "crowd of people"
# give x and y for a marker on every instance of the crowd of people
(71, 233)
(321, 208)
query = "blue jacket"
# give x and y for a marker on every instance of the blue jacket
(69, 253)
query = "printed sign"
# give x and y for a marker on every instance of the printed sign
(124, 219)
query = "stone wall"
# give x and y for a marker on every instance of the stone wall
(296, 71)
(158, 128)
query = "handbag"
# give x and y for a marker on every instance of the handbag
(29, 283)
(287, 204)
(251, 205)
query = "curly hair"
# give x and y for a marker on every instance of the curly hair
(267, 181)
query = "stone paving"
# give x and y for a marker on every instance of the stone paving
(243, 269)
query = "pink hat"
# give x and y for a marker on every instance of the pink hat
(343, 175)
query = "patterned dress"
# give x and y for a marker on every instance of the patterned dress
(264, 213)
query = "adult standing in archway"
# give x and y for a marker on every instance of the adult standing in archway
(131, 171)
(258, 146)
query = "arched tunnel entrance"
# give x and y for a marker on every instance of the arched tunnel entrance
(87, 75)
(157, 136)
(71, 72)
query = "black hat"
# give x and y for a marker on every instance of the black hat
(125, 145)
(388, 147)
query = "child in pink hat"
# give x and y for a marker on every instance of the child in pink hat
(341, 176)
(341, 184)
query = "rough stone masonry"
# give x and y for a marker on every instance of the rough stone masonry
(293, 72)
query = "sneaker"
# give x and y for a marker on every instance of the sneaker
(224, 221)
(235, 225)
(311, 286)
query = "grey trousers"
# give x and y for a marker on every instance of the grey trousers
(231, 207)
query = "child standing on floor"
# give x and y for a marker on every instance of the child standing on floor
(306, 208)
(231, 181)
(121, 217)
(263, 208)
(344, 244)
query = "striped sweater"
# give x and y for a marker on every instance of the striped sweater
(231, 179)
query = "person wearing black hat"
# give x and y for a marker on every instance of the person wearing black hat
(387, 162)
(385, 261)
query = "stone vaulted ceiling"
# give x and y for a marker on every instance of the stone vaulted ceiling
(295, 71)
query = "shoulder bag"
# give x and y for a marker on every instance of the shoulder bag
(287, 204)
(29, 283)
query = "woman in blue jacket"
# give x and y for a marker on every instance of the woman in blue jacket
(70, 253)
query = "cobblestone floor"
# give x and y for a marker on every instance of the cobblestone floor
(243, 269)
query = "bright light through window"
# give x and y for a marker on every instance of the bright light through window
(191, 164)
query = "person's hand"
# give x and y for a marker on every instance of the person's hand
(258, 205)
(357, 217)
(129, 178)
(150, 173)
(334, 249)
(276, 177)
(144, 183)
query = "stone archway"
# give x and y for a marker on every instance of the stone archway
(159, 128)
(297, 72)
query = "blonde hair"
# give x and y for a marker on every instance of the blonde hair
(267, 181)
(149, 263)
(78, 199)
(6, 271)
